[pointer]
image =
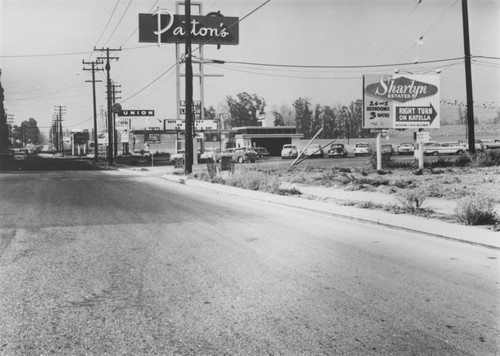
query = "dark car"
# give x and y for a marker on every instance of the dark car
(261, 152)
(337, 150)
(243, 154)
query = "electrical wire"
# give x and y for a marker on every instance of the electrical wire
(343, 66)
(150, 83)
(107, 24)
(119, 22)
(137, 28)
(435, 23)
(285, 76)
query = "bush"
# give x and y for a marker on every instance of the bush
(412, 200)
(476, 210)
(482, 159)
(386, 160)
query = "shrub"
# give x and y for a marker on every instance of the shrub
(483, 159)
(412, 200)
(476, 210)
(386, 160)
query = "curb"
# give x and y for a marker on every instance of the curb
(415, 224)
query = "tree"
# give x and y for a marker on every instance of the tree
(284, 115)
(278, 119)
(210, 113)
(303, 116)
(28, 132)
(244, 110)
(4, 129)
(317, 122)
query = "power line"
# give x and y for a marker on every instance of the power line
(107, 24)
(119, 22)
(436, 22)
(137, 28)
(343, 66)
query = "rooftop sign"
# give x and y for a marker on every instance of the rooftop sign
(165, 27)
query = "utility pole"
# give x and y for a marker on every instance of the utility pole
(59, 113)
(115, 132)
(189, 91)
(110, 116)
(94, 69)
(468, 80)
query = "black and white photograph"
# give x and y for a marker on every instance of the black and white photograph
(249, 177)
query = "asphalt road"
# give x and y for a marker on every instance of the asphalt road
(113, 263)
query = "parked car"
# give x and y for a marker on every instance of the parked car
(19, 154)
(46, 149)
(337, 150)
(489, 144)
(142, 152)
(406, 149)
(437, 148)
(289, 151)
(387, 148)
(211, 153)
(262, 152)
(362, 149)
(244, 154)
(314, 151)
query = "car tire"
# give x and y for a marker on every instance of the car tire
(241, 159)
(460, 152)
(435, 153)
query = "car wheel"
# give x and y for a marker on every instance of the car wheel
(252, 161)
(460, 152)
(240, 159)
(435, 153)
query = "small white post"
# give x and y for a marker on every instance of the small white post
(379, 151)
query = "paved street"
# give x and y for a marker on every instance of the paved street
(108, 262)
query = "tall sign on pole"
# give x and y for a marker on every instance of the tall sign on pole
(400, 101)
(164, 27)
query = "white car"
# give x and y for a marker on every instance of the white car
(314, 151)
(289, 151)
(362, 149)
(211, 153)
(437, 148)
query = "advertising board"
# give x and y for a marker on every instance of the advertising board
(401, 101)
(165, 27)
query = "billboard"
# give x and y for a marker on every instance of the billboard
(401, 101)
(170, 28)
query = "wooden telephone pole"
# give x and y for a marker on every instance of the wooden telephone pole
(94, 69)
(468, 80)
(109, 99)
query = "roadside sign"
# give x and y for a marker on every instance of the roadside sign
(116, 108)
(423, 136)
(136, 112)
(401, 101)
(164, 27)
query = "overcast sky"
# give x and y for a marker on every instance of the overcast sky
(43, 43)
